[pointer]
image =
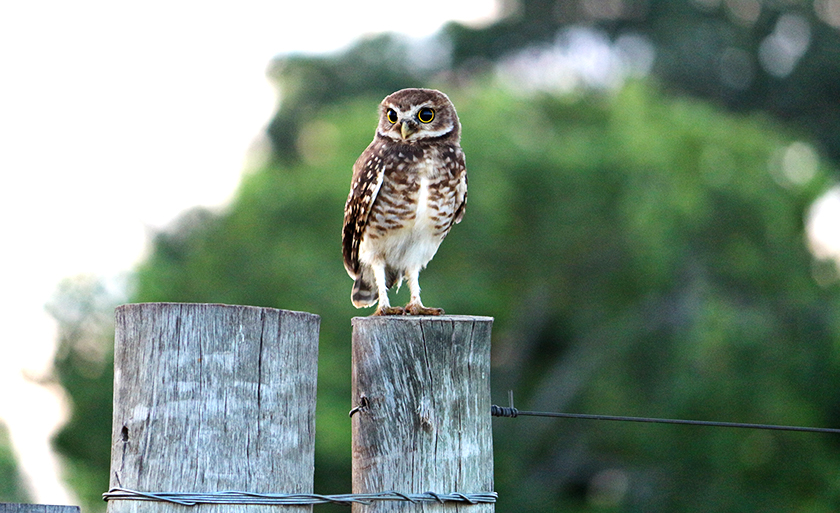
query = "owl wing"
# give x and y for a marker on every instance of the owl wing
(459, 170)
(368, 172)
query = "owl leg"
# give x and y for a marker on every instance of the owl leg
(415, 306)
(384, 307)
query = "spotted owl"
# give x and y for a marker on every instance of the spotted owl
(408, 188)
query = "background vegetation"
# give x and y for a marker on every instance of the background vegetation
(640, 243)
(11, 488)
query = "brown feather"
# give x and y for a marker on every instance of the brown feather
(368, 172)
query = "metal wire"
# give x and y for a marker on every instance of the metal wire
(511, 412)
(270, 499)
(295, 499)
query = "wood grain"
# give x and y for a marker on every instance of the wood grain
(9, 507)
(424, 424)
(212, 397)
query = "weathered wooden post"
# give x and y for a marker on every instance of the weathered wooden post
(421, 422)
(8, 507)
(210, 398)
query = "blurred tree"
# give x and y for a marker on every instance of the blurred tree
(11, 485)
(378, 65)
(642, 255)
(748, 55)
(83, 308)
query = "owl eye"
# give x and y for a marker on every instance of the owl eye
(426, 115)
(392, 115)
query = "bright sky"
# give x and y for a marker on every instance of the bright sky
(117, 116)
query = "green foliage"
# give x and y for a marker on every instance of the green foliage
(731, 53)
(639, 257)
(378, 65)
(11, 487)
(743, 55)
(83, 365)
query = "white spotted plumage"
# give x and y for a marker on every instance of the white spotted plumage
(408, 188)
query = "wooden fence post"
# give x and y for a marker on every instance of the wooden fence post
(421, 422)
(9, 507)
(209, 398)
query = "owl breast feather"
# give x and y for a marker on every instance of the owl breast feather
(410, 218)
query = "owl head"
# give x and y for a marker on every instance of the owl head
(418, 115)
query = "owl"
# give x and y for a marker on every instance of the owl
(408, 188)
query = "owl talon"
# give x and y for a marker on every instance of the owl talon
(413, 309)
(390, 310)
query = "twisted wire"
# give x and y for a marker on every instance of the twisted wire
(296, 499)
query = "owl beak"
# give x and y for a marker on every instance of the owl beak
(407, 128)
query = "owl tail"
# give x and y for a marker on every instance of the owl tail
(365, 292)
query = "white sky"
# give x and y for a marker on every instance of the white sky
(116, 116)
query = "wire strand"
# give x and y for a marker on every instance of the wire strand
(511, 412)
(275, 499)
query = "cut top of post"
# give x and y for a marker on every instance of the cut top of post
(421, 318)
